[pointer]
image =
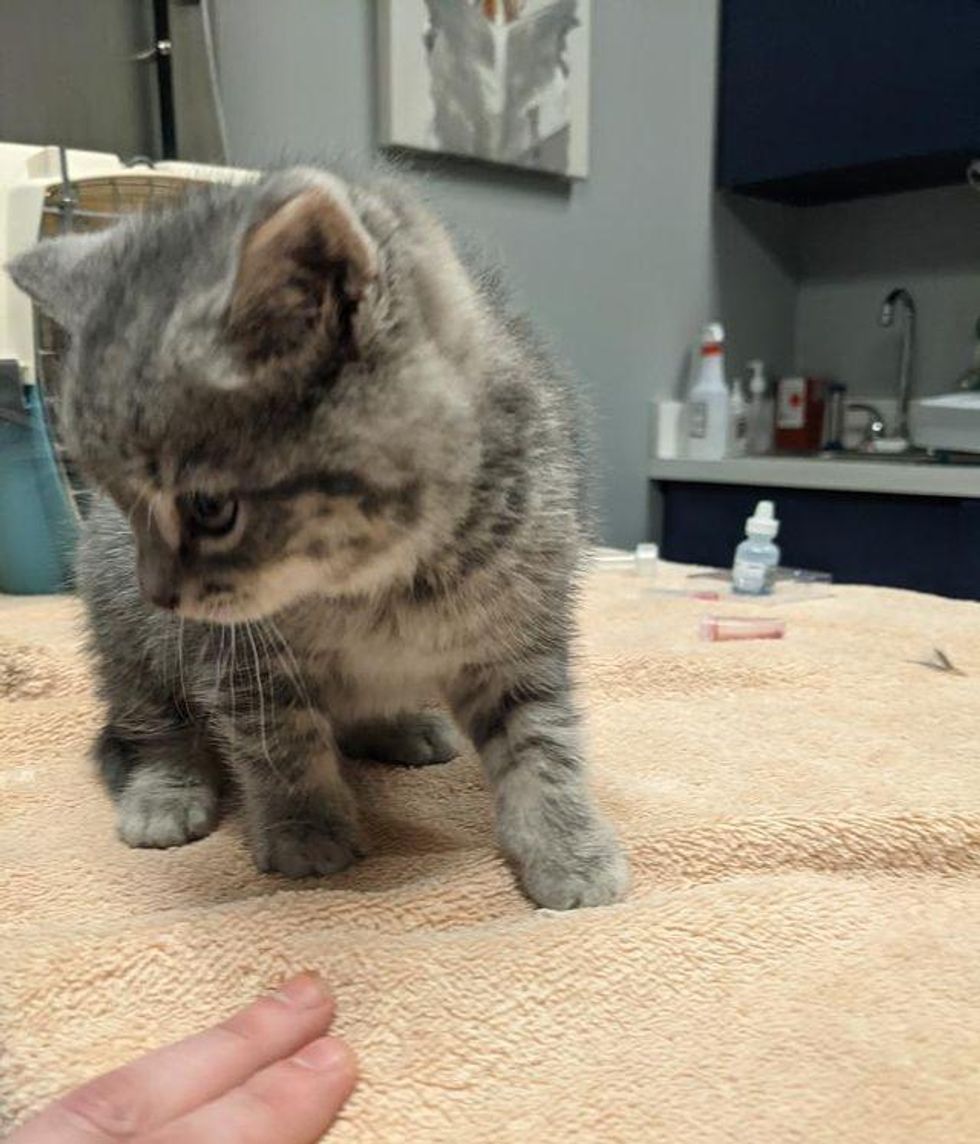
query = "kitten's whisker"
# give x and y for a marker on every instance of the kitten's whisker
(148, 655)
(180, 666)
(141, 728)
(295, 674)
(269, 645)
(263, 640)
(267, 659)
(232, 676)
(258, 683)
(142, 495)
(292, 669)
(218, 674)
(165, 642)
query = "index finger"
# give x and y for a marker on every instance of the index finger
(174, 1080)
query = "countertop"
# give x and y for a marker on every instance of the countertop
(903, 478)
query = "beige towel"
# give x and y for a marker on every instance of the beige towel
(799, 959)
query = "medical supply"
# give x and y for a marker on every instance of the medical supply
(720, 628)
(799, 414)
(760, 411)
(738, 421)
(757, 557)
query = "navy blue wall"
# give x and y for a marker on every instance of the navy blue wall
(930, 544)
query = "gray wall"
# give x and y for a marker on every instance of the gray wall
(756, 268)
(69, 77)
(618, 269)
(622, 268)
(852, 254)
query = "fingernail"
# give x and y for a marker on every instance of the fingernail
(328, 1054)
(306, 991)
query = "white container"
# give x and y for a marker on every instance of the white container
(708, 409)
(647, 556)
(738, 421)
(666, 429)
(760, 412)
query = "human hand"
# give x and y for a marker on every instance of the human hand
(267, 1075)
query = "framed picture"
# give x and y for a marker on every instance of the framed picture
(506, 81)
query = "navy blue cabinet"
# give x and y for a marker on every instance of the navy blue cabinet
(929, 544)
(831, 99)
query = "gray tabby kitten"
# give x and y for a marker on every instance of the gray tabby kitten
(338, 480)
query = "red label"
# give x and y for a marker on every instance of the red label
(791, 403)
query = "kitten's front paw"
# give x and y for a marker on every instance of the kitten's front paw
(574, 871)
(165, 815)
(302, 850)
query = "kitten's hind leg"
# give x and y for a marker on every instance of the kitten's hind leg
(417, 740)
(165, 782)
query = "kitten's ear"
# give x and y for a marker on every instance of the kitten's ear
(61, 274)
(302, 264)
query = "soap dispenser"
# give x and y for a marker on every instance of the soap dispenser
(760, 411)
(738, 421)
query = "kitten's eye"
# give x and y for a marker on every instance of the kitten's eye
(212, 516)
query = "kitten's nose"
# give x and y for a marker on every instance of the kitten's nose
(157, 586)
(169, 600)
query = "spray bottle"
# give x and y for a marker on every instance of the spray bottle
(709, 402)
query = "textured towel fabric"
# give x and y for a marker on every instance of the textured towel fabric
(799, 958)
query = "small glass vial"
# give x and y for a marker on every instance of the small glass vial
(757, 557)
(646, 558)
(717, 628)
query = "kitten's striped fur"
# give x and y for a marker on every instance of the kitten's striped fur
(402, 470)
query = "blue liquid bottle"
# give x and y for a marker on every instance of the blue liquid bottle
(757, 557)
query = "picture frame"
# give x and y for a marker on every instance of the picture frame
(499, 81)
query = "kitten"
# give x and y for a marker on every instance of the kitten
(337, 478)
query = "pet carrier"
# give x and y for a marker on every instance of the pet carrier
(44, 192)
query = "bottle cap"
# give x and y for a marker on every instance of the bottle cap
(712, 338)
(646, 557)
(763, 522)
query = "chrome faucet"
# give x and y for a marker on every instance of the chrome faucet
(887, 318)
(874, 428)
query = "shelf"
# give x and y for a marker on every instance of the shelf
(830, 101)
(878, 476)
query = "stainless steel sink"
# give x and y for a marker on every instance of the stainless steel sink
(909, 457)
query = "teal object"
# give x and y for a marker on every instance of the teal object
(38, 526)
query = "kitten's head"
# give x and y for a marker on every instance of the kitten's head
(271, 382)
